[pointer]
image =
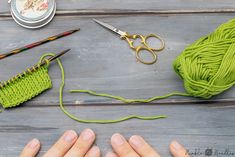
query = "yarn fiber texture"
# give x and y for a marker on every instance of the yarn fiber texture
(207, 66)
(23, 88)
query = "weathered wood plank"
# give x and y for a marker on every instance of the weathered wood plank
(100, 61)
(137, 4)
(108, 65)
(207, 126)
(93, 12)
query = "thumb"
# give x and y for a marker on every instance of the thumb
(177, 150)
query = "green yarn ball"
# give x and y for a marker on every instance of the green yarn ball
(208, 65)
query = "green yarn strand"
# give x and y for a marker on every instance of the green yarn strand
(95, 120)
(129, 100)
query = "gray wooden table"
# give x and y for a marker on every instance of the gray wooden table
(100, 61)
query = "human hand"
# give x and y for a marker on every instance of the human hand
(68, 145)
(136, 146)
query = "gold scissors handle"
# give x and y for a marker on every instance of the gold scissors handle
(145, 46)
(139, 49)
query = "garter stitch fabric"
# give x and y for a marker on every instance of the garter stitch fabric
(207, 66)
(20, 89)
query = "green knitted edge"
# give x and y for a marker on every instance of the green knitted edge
(22, 89)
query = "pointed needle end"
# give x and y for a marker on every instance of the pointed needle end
(75, 30)
(59, 55)
(95, 20)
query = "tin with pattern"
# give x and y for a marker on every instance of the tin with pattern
(32, 14)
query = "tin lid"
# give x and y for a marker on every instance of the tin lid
(33, 13)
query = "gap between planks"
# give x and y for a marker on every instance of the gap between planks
(84, 12)
(208, 104)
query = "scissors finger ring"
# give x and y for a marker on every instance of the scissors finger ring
(162, 43)
(139, 58)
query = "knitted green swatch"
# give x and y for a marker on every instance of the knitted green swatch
(19, 89)
(34, 81)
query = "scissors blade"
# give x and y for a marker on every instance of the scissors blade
(110, 27)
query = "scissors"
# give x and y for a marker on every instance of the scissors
(138, 49)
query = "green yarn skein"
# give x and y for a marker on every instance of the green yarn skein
(207, 66)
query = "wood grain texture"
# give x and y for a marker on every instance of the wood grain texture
(100, 61)
(207, 126)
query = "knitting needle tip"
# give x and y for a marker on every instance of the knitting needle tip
(58, 55)
(75, 30)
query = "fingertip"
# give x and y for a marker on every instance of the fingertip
(90, 130)
(33, 144)
(83, 144)
(143, 148)
(72, 132)
(70, 136)
(31, 148)
(175, 145)
(94, 152)
(117, 139)
(114, 135)
(121, 147)
(134, 137)
(177, 149)
(111, 154)
(136, 141)
(88, 134)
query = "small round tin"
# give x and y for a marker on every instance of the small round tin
(33, 14)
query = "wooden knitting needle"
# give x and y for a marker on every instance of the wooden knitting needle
(35, 67)
(44, 62)
(53, 57)
(24, 48)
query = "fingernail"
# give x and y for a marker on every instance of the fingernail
(118, 139)
(137, 141)
(176, 145)
(33, 143)
(87, 134)
(70, 136)
(110, 154)
(94, 151)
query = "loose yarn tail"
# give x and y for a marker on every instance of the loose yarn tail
(129, 100)
(108, 96)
